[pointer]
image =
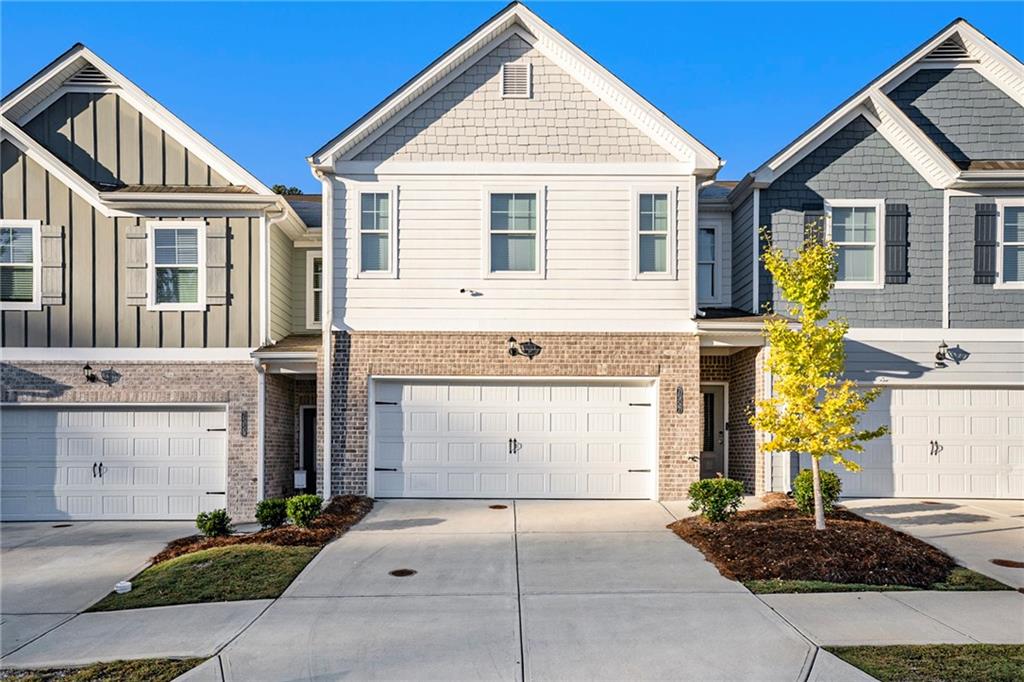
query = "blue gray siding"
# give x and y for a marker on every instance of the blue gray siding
(742, 234)
(858, 163)
(970, 304)
(968, 117)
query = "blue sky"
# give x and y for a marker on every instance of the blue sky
(270, 82)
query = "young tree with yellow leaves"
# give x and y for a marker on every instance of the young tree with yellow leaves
(813, 409)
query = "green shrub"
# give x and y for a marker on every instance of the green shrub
(272, 512)
(803, 491)
(716, 498)
(214, 523)
(302, 509)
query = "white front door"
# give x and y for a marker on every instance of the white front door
(943, 442)
(572, 439)
(123, 462)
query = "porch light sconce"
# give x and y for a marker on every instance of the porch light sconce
(942, 355)
(90, 376)
(528, 348)
(679, 399)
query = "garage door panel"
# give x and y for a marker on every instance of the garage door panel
(574, 440)
(145, 462)
(979, 453)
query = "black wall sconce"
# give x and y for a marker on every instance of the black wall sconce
(243, 429)
(941, 356)
(679, 399)
(527, 348)
(90, 376)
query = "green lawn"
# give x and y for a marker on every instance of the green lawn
(938, 662)
(959, 580)
(145, 670)
(227, 573)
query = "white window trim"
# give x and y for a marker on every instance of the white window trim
(634, 229)
(311, 322)
(37, 266)
(1001, 206)
(714, 224)
(540, 272)
(200, 227)
(392, 192)
(879, 205)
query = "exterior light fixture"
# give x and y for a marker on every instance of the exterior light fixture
(942, 355)
(528, 348)
(90, 376)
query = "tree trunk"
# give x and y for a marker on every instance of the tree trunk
(819, 506)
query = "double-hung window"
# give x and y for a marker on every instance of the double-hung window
(855, 227)
(652, 235)
(513, 233)
(1011, 243)
(20, 265)
(177, 265)
(376, 233)
(314, 288)
(707, 263)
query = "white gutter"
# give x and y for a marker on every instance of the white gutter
(945, 259)
(756, 257)
(264, 282)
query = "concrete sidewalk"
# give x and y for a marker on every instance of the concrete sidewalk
(881, 618)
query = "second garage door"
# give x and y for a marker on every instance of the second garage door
(117, 462)
(943, 442)
(571, 439)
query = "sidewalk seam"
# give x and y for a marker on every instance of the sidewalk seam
(929, 617)
(519, 593)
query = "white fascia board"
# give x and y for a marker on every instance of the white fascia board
(10, 106)
(99, 355)
(79, 185)
(910, 141)
(997, 65)
(474, 168)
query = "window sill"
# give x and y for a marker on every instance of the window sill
(654, 276)
(513, 275)
(26, 305)
(1008, 285)
(860, 285)
(377, 274)
(176, 307)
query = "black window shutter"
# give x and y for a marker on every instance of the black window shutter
(986, 224)
(896, 218)
(814, 221)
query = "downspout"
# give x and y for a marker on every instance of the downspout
(264, 287)
(261, 422)
(327, 319)
(945, 259)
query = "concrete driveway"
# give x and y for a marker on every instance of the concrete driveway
(533, 589)
(974, 532)
(51, 571)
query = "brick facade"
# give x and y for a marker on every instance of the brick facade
(235, 386)
(744, 373)
(674, 359)
(279, 444)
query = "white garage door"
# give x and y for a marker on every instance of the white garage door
(124, 462)
(944, 442)
(499, 439)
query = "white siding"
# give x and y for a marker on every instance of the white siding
(587, 285)
(298, 292)
(280, 284)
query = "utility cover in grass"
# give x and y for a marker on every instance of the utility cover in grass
(220, 574)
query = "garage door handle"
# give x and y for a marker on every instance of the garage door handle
(101, 469)
(639, 471)
(94, 469)
(216, 429)
(383, 469)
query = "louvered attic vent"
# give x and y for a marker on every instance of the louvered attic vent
(517, 80)
(89, 75)
(952, 49)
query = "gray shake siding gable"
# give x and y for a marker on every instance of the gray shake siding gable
(858, 163)
(970, 304)
(968, 117)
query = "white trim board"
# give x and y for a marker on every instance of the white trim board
(99, 355)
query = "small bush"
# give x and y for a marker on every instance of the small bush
(272, 512)
(214, 523)
(302, 509)
(716, 499)
(803, 491)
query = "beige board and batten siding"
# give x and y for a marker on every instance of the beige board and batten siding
(108, 141)
(587, 285)
(95, 310)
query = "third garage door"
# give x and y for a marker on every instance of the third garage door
(569, 439)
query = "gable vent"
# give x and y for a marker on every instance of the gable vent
(517, 80)
(952, 49)
(88, 75)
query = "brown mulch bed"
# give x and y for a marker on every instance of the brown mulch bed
(338, 516)
(779, 542)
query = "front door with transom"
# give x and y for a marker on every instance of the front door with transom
(712, 456)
